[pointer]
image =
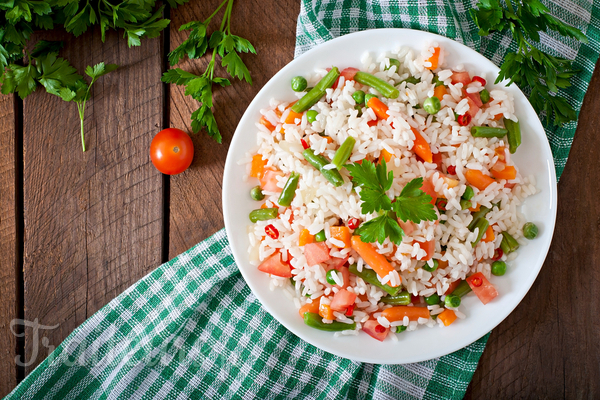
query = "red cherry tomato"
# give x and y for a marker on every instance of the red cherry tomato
(171, 151)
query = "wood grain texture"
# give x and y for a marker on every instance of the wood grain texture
(549, 347)
(92, 220)
(195, 201)
(8, 256)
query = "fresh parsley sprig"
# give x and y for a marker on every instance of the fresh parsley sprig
(529, 67)
(224, 44)
(374, 181)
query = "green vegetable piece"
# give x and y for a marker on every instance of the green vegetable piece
(411, 79)
(452, 300)
(321, 237)
(436, 81)
(264, 214)
(311, 115)
(329, 275)
(530, 230)
(380, 85)
(488, 132)
(477, 216)
(432, 300)
(465, 204)
(498, 268)
(393, 63)
(315, 94)
(484, 95)
(370, 276)
(462, 289)
(509, 243)
(299, 83)
(256, 193)
(315, 321)
(482, 224)
(319, 161)
(401, 299)
(368, 97)
(431, 268)
(289, 190)
(513, 135)
(469, 193)
(343, 152)
(359, 97)
(432, 105)
(400, 328)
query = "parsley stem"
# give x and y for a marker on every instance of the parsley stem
(81, 110)
(510, 7)
(207, 20)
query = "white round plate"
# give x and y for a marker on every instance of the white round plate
(533, 157)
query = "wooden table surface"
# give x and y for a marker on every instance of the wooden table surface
(77, 229)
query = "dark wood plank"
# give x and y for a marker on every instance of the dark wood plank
(8, 257)
(549, 347)
(92, 220)
(195, 202)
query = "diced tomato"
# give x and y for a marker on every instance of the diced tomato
(473, 107)
(509, 185)
(437, 160)
(482, 287)
(428, 188)
(342, 300)
(429, 248)
(274, 266)
(268, 180)
(316, 253)
(370, 328)
(348, 73)
(408, 227)
(336, 263)
(452, 286)
(476, 98)
(461, 77)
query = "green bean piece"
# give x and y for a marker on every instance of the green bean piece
(484, 95)
(380, 85)
(477, 216)
(488, 132)
(321, 236)
(530, 230)
(430, 268)
(432, 300)
(359, 97)
(289, 190)
(411, 79)
(469, 193)
(329, 276)
(401, 299)
(452, 301)
(311, 115)
(432, 105)
(465, 204)
(343, 152)
(400, 328)
(256, 193)
(368, 97)
(299, 83)
(315, 94)
(482, 224)
(319, 161)
(462, 289)
(513, 135)
(436, 81)
(509, 243)
(370, 276)
(498, 268)
(393, 63)
(315, 321)
(263, 214)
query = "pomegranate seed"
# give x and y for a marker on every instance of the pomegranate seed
(350, 310)
(476, 282)
(479, 79)
(272, 231)
(464, 120)
(353, 223)
(304, 144)
(498, 253)
(379, 329)
(452, 170)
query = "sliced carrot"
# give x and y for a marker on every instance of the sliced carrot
(501, 153)
(509, 172)
(326, 312)
(258, 166)
(378, 107)
(310, 307)
(476, 208)
(264, 205)
(329, 139)
(399, 312)
(376, 261)
(266, 123)
(476, 178)
(305, 237)
(440, 91)
(489, 235)
(387, 156)
(363, 297)
(442, 264)
(498, 117)
(447, 317)
(341, 233)
(292, 116)
(421, 147)
(434, 59)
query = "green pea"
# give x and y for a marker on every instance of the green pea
(427, 267)
(452, 300)
(359, 97)
(329, 277)
(311, 115)
(299, 84)
(433, 299)
(484, 95)
(498, 268)
(530, 230)
(436, 81)
(256, 193)
(432, 105)
(321, 237)
(469, 193)
(368, 97)
(400, 328)
(393, 62)
(465, 204)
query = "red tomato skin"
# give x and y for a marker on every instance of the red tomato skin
(274, 266)
(428, 188)
(342, 300)
(461, 77)
(171, 151)
(486, 291)
(316, 253)
(369, 328)
(348, 73)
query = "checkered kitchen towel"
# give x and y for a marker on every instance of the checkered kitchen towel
(193, 329)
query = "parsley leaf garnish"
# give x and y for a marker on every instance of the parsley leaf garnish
(374, 181)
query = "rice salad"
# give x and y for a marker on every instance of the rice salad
(445, 137)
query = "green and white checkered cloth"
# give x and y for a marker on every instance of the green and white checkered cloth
(193, 329)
